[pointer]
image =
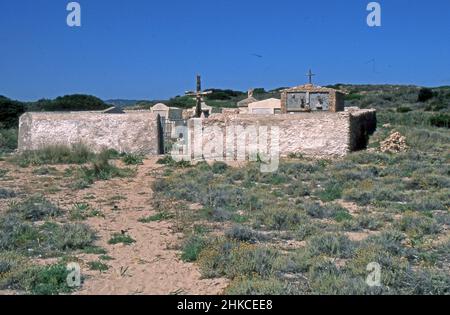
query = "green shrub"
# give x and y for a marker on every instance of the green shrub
(243, 234)
(6, 193)
(326, 279)
(417, 225)
(169, 161)
(219, 167)
(390, 241)
(257, 286)
(369, 222)
(120, 238)
(332, 191)
(35, 208)
(161, 216)
(48, 280)
(101, 169)
(318, 211)
(70, 237)
(43, 171)
(333, 245)
(82, 211)
(15, 234)
(10, 111)
(12, 266)
(248, 260)
(404, 109)
(440, 120)
(192, 248)
(214, 258)
(282, 219)
(133, 159)
(425, 94)
(72, 103)
(56, 154)
(98, 266)
(8, 140)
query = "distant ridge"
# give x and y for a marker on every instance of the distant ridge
(122, 102)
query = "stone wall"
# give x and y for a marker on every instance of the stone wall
(137, 132)
(317, 134)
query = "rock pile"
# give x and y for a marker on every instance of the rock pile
(395, 143)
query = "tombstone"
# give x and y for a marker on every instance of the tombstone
(266, 107)
(161, 109)
(250, 99)
(308, 97)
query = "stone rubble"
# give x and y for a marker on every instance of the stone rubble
(395, 143)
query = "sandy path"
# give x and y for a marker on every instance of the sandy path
(148, 266)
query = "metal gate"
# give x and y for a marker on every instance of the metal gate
(170, 136)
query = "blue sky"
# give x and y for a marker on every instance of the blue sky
(148, 49)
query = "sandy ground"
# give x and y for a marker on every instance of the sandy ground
(149, 266)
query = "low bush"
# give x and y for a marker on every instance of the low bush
(440, 120)
(219, 167)
(121, 238)
(83, 211)
(8, 140)
(161, 216)
(98, 266)
(332, 191)
(192, 248)
(35, 208)
(244, 234)
(257, 286)
(417, 225)
(333, 245)
(47, 280)
(57, 154)
(133, 159)
(6, 193)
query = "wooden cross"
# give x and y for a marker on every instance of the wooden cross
(310, 75)
(198, 96)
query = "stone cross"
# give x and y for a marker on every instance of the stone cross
(310, 75)
(199, 97)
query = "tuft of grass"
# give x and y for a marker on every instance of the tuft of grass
(417, 225)
(94, 250)
(101, 169)
(8, 140)
(48, 280)
(333, 245)
(332, 191)
(169, 161)
(243, 234)
(133, 159)
(219, 167)
(7, 194)
(121, 238)
(161, 216)
(192, 248)
(106, 257)
(82, 211)
(44, 171)
(56, 154)
(35, 208)
(98, 266)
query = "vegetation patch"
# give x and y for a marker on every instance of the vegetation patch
(121, 238)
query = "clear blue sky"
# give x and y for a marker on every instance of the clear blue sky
(148, 49)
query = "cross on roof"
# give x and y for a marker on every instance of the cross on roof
(310, 75)
(198, 96)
